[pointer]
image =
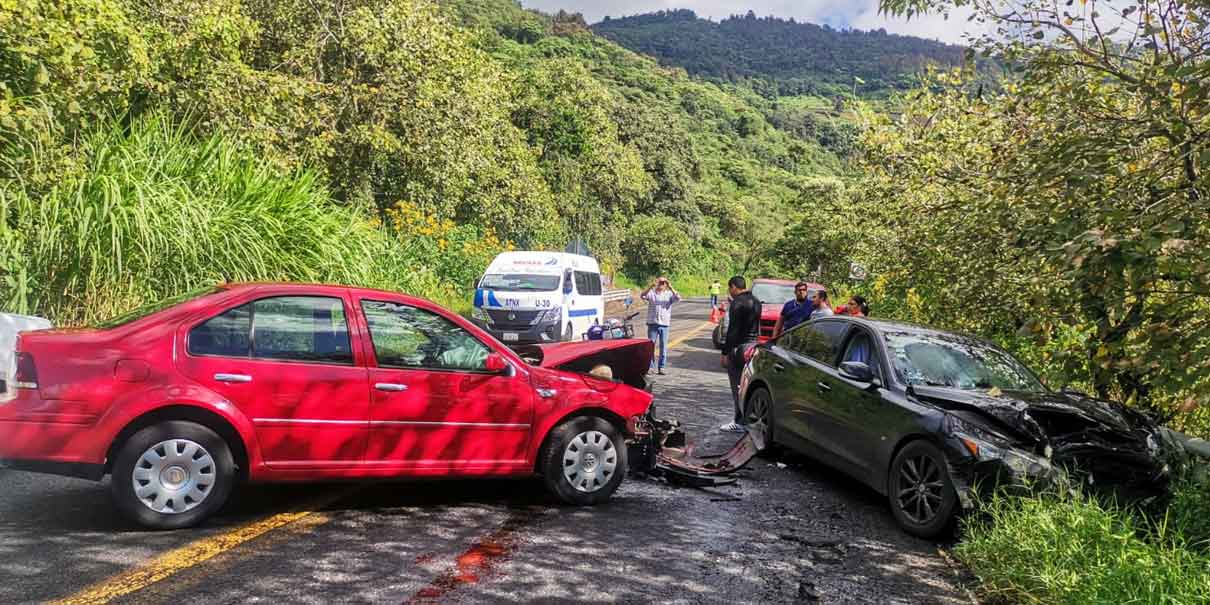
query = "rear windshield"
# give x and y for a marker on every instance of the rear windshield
(154, 307)
(521, 282)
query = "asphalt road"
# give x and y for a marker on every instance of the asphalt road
(787, 532)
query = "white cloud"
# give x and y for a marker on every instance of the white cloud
(859, 14)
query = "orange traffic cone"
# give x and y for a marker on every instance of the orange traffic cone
(716, 314)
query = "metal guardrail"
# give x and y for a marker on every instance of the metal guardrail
(617, 295)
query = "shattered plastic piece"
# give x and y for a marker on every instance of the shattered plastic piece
(662, 450)
(781, 465)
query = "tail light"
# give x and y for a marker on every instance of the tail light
(27, 373)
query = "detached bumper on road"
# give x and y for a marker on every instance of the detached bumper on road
(660, 448)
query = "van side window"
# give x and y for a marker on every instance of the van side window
(588, 284)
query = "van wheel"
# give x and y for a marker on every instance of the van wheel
(172, 475)
(569, 333)
(584, 461)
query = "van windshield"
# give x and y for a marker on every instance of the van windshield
(520, 282)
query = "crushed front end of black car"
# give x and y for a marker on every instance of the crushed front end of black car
(1028, 440)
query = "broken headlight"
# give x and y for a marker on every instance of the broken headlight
(987, 446)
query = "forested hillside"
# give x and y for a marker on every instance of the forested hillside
(136, 133)
(781, 56)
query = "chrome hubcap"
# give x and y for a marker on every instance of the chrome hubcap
(173, 476)
(589, 461)
(920, 489)
(758, 413)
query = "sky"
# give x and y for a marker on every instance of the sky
(857, 14)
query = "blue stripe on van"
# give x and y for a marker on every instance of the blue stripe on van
(491, 300)
(478, 297)
(582, 313)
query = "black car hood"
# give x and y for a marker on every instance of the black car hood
(1043, 417)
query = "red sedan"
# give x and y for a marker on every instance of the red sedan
(290, 382)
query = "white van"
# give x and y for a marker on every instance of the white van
(534, 297)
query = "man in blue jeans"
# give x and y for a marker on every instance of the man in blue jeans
(660, 297)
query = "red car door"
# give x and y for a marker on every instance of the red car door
(287, 363)
(435, 408)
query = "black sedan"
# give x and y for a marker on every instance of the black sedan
(924, 416)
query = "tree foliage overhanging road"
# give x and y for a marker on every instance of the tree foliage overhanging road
(1070, 203)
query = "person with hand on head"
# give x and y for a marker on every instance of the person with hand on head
(660, 297)
(794, 311)
(743, 326)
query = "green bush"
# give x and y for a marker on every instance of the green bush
(1073, 548)
(157, 213)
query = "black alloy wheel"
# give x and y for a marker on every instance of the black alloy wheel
(759, 414)
(920, 490)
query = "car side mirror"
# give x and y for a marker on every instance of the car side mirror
(495, 363)
(856, 371)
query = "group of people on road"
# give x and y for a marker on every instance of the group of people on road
(743, 324)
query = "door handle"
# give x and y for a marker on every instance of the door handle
(390, 386)
(221, 377)
(823, 387)
(779, 367)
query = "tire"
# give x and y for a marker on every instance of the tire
(185, 474)
(576, 461)
(919, 464)
(758, 410)
(569, 333)
(716, 338)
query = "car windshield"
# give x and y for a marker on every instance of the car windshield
(154, 307)
(773, 294)
(520, 282)
(958, 362)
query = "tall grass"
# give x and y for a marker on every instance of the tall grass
(155, 212)
(1073, 548)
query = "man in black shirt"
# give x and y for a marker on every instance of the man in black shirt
(743, 326)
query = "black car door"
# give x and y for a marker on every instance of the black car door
(812, 353)
(856, 414)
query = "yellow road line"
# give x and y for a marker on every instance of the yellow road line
(191, 554)
(676, 342)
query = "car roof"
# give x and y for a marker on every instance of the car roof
(311, 287)
(893, 325)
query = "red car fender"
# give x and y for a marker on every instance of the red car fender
(133, 405)
(573, 396)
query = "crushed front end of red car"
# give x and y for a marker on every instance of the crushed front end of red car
(657, 447)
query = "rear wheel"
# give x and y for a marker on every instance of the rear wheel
(568, 333)
(716, 337)
(172, 475)
(584, 461)
(920, 490)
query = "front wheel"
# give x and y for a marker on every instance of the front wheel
(759, 414)
(921, 492)
(584, 461)
(568, 333)
(172, 475)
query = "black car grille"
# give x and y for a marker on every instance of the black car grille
(511, 320)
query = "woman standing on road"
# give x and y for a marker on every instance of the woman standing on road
(660, 297)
